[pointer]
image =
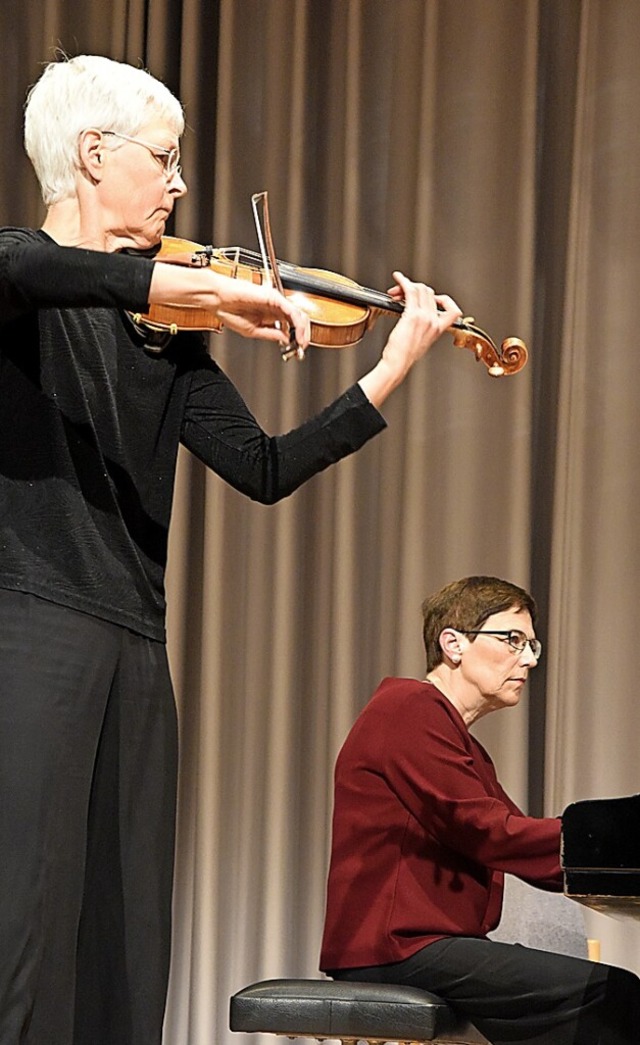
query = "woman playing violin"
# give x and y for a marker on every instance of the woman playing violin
(91, 415)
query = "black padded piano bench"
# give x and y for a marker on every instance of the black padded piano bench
(372, 1012)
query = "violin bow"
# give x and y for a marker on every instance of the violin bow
(270, 262)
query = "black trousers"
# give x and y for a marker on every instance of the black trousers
(88, 753)
(519, 995)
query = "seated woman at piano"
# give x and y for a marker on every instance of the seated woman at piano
(423, 833)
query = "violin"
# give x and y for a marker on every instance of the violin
(340, 310)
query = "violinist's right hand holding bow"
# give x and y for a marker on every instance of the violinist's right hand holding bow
(426, 316)
(255, 311)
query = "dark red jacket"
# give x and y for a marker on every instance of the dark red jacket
(422, 832)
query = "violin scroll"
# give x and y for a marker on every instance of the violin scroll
(509, 359)
(514, 355)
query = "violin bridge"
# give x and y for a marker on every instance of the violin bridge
(202, 258)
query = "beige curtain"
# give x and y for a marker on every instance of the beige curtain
(593, 728)
(488, 147)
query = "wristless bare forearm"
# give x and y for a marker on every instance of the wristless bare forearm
(180, 285)
(380, 382)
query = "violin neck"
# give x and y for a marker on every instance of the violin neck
(349, 293)
(295, 278)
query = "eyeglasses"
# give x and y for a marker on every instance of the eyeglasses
(516, 639)
(169, 159)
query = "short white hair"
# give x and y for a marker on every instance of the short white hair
(88, 91)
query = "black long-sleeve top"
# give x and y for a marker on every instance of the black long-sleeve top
(90, 422)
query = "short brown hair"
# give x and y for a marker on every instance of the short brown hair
(466, 605)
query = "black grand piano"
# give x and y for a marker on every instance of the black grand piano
(601, 854)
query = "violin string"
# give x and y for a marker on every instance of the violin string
(296, 278)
